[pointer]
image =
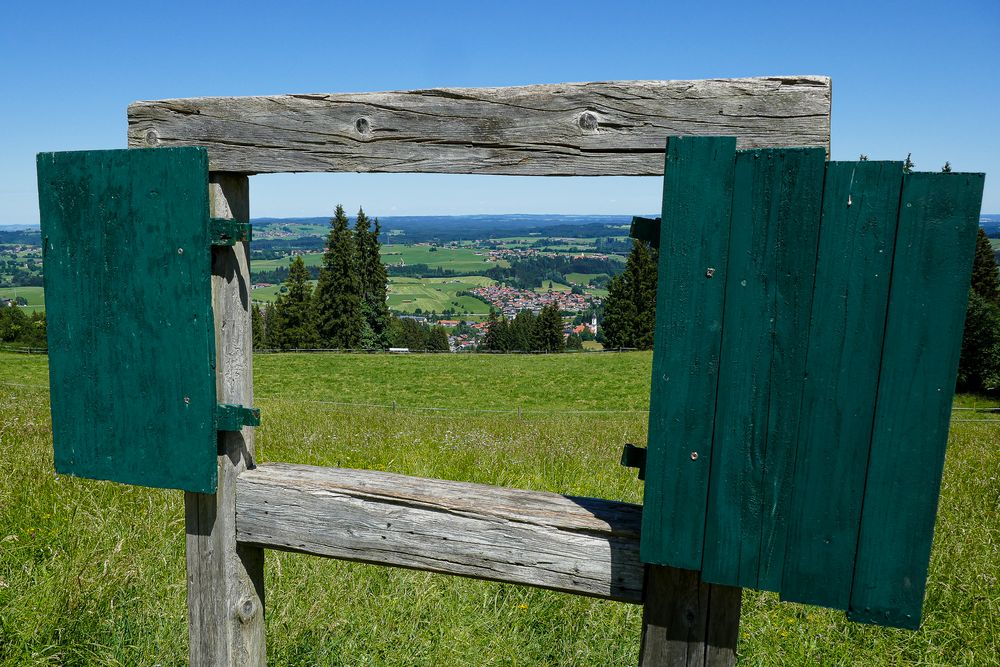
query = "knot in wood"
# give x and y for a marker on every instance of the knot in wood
(245, 610)
(152, 138)
(363, 126)
(588, 121)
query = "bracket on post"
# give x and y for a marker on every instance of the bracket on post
(229, 232)
(634, 457)
(229, 417)
(646, 229)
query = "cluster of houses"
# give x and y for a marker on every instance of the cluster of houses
(510, 301)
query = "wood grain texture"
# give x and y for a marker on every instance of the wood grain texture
(935, 243)
(577, 545)
(694, 246)
(687, 623)
(777, 197)
(128, 278)
(225, 578)
(860, 210)
(583, 129)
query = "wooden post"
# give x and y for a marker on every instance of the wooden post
(686, 623)
(226, 579)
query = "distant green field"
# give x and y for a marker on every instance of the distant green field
(454, 259)
(460, 260)
(582, 278)
(34, 295)
(556, 287)
(436, 294)
(271, 293)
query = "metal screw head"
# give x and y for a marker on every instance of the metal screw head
(187, 400)
(180, 251)
(709, 272)
(694, 456)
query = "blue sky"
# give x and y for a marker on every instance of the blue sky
(915, 76)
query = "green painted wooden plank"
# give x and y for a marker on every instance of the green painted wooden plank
(860, 210)
(772, 256)
(935, 241)
(127, 251)
(694, 242)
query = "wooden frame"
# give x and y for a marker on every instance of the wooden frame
(582, 129)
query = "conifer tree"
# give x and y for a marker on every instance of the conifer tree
(293, 311)
(523, 332)
(339, 317)
(272, 329)
(373, 282)
(550, 330)
(491, 341)
(630, 309)
(257, 327)
(979, 364)
(437, 339)
(985, 276)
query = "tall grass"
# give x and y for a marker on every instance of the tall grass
(93, 572)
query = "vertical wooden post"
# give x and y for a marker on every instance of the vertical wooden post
(686, 623)
(226, 579)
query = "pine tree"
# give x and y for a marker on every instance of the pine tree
(272, 327)
(908, 164)
(491, 341)
(550, 330)
(373, 282)
(293, 311)
(257, 327)
(339, 318)
(437, 339)
(523, 332)
(979, 363)
(630, 309)
(985, 275)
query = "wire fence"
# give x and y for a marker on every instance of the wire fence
(395, 406)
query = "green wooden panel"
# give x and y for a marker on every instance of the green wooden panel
(935, 242)
(860, 209)
(772, 258)
(694, 242)
(127, 251)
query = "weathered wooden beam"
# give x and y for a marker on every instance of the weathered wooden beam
(615, 128)
(578, 545)
(226, 579)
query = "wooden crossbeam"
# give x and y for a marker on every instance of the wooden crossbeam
(584, 546)
(615, 128)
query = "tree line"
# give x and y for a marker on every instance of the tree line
(20, 329)
(346, 310)
(527, 332)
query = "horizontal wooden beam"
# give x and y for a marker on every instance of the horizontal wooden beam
(578, 545)
(614, 128)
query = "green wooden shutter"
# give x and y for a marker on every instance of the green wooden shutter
(809, 320)
(127, 256)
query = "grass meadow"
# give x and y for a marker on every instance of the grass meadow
(460, 260)
(35, 296)
(93, 572)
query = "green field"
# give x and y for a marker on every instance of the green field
(34, 295)
(93, 572)
(270, 294)
(460, 260)
(436, 294)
